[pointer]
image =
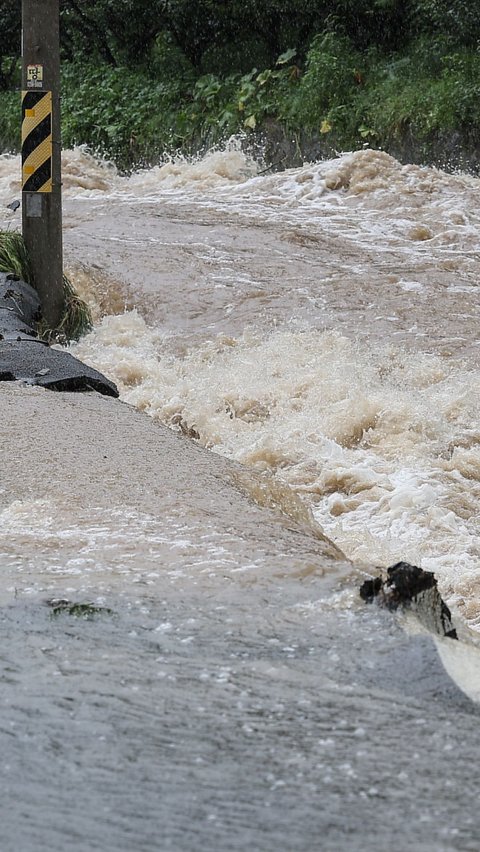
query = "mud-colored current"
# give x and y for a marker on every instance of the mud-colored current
(310, 339)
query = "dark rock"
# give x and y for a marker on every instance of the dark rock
(370, 589)
(451, 150)
(405, 582)
(411, 587)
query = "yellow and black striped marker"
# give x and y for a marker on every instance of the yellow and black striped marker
(36, 141)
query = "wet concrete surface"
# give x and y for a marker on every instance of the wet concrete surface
(223, 702)
(252, 725)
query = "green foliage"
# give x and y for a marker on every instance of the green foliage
(458, 19)
(370, 23)
(411, 96)
(243, 101)
(9, 43)
(119, 33)
(121, 114)
(13, 255)
(232, 36)
(222, 36)
(329, 86)
(215, 36)
(146, 77)
(131, 118)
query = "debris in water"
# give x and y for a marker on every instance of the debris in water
(62, 606)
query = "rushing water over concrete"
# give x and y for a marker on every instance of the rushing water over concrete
(316, 329)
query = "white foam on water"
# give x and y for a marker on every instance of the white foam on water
(366, 198)
(385, 446)
(10, 178)
(47, 547)
(462, 663)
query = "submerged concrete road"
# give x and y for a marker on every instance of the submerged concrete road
(25, 358)
(226, 689)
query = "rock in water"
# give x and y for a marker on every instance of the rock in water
(411, 587)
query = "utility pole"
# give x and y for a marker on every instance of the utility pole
(41, 153)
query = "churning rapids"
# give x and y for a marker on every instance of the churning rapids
(318, 328)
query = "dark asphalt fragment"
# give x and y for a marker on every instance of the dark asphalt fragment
(36, 364)
(25, 358)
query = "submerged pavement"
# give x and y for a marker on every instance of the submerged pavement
(226, 689)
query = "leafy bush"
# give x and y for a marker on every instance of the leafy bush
(337, 90)
(425, 94)
(329, 87)
(458, 19)
(119, 113)
(244, 100)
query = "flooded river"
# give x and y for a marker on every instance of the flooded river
(298, 362)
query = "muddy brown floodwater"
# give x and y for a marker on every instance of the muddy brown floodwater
(186, 663)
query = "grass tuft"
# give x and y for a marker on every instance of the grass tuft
(76, 320)
(13, 255)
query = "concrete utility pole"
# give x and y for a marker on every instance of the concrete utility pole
(41, 152)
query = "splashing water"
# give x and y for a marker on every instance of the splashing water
(336, 348)
(385, 446)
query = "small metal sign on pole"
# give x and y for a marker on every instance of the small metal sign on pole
(41, 153)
